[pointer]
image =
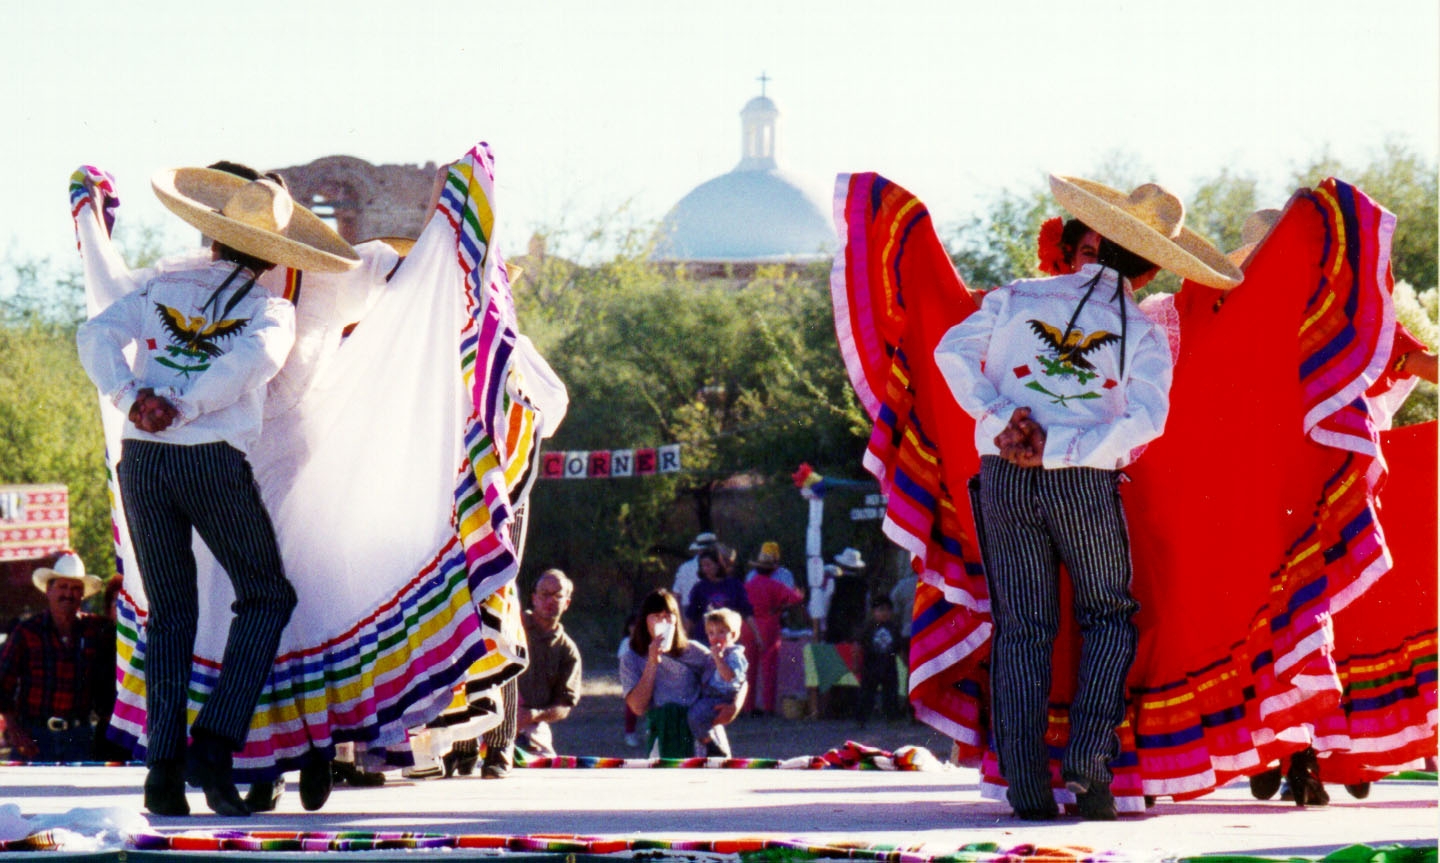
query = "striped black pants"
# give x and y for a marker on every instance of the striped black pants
(500, 740)
(1032, 520)
(168, 490)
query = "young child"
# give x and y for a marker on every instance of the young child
(722, 679)
(880, 643)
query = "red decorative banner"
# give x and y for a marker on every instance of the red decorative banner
(34, 521)
(610, 463)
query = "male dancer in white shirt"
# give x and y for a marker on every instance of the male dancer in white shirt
(206, 340)
(1066, 380)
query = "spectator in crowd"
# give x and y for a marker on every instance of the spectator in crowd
(769, 597)
(716, 589)
(633, 737)
(720, 683)
(880, 645)
(549, 687)
(660, 677)
(847, 604)
(688, 575)
(57, 670)
(770, 565)
(902, 595)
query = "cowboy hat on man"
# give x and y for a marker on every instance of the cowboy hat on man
(57, 670)
(68, 565)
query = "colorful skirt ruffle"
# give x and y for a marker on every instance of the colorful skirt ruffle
(1251, 519)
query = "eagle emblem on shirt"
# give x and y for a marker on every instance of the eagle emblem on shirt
(195, 335)
(1071, 346)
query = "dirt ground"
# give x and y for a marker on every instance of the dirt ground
(596, 728)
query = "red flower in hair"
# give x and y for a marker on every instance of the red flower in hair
(1047, 247)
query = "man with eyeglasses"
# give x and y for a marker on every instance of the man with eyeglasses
(545, 692)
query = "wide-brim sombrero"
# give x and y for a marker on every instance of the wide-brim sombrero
(1149, 222)
(221, 206)
(1257, 228)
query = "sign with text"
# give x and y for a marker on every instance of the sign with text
(610, 463)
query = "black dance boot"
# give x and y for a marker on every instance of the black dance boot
(316, 781)
(209, 765)
(1304, 778)
(264, 796)
(1264, 785)
(165, 788)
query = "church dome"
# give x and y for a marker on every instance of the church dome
(756, 213)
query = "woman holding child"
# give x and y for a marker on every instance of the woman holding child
(661, 676)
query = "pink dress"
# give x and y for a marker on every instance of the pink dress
(769, 598)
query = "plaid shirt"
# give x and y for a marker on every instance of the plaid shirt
(41, 676)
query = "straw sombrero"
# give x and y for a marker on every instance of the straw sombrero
(1150, 222)
(68, 566)
(256, 217)
(1257, 227)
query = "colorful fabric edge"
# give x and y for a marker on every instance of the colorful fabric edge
(398, 668)
(1253, 707)
(760, 849)
(886, 233)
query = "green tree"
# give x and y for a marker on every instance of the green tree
(743, 373)
(1417, 312)
(1405, 183)
(997, 246)
(49, 418)
(1219, 207)
(50, 428)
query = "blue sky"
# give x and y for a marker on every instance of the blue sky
(591, 107)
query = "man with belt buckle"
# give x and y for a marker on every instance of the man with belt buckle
(57, 670)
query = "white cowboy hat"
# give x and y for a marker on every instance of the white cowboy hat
(850, 559)
(256, 217)
(68, 566)
(703, 541)
(1257, 227)
(1150, 221)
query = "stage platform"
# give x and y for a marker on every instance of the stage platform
(693, 813)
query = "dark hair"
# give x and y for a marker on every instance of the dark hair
(882, 601)
(655, 601)
(713, 554)
(1070, 238)
(247, 172)
(1122, 260)
(235, 256)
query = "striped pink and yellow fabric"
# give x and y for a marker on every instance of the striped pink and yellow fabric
(1220, 685)
(1252, 518)
(895, 293)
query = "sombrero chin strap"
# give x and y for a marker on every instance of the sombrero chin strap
(239, 295)
(1124, 316)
